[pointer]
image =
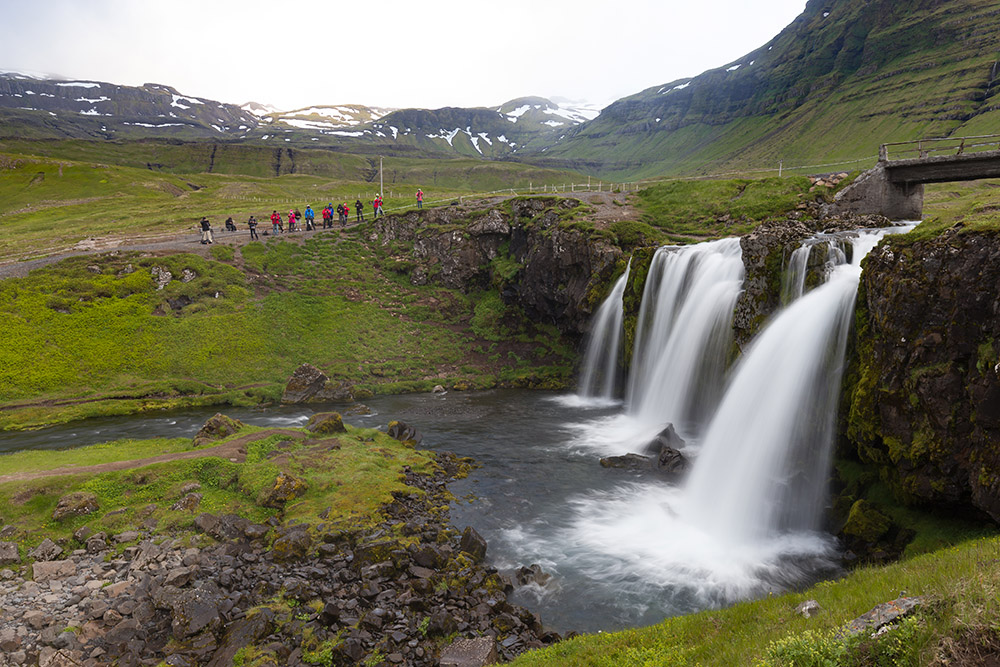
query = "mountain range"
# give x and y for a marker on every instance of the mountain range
(843, 77)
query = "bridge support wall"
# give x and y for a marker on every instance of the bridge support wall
(873, 193)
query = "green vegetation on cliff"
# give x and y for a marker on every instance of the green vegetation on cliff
(101, 338)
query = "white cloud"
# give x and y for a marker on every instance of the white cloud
(548, 53)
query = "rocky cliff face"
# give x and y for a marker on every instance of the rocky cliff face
(925, 393)
(766, 251)
(527, 248)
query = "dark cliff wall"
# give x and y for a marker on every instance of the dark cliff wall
(529, 249)
(924, 392)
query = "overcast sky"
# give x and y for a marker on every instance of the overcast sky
(436, 53)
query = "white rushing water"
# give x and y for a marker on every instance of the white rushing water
(683, 334)
(746, 520)
(600, 371)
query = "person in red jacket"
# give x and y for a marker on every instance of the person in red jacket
(347, 213)
(275, 222)
(420, 198)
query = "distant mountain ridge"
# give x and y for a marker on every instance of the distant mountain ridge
(32, 107)
(843, 77)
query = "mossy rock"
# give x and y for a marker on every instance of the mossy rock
(285, 487)
(866, 523)
(75, 504)
(217, 427)
(326, 422)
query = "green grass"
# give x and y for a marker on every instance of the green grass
(47, 459)
(683, 210)
(352, 474)
(961, 583)
(106, 341)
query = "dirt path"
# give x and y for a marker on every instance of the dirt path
(234, 450)
(608, 208)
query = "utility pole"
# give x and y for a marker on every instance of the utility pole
(379, 175)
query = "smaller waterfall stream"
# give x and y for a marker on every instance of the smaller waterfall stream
(600, 374)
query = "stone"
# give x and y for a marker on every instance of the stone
(475, 652)
(179, 577)
(666, 438)
(46, 550)
(883, 614)
(866, 522)
(42, 571)
(82, 533)
(671, 461)
(126, 536)
(188, 503)
(309, 384)
(284, 488)
(75, 504)
(291, 544)
(404, 432)
(627, 462)
(473, 544)
(808, 609)
(325, 423)
(217, 427)
(9, 554)
(96, 543)
(441, 624)
(161, 276)
(532, 574)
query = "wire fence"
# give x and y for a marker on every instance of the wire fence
(611, 187)
(591, 185)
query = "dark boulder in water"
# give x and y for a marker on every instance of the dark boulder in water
(627, 462)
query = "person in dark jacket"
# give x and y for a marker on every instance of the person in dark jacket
(252, 224)
(358, 206)
(206, 231)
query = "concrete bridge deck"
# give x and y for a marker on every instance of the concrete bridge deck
(895, 186)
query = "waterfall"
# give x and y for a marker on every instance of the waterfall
(746, 521)
(793, 281)
(684, 334)
(600, 374)
(763, 462)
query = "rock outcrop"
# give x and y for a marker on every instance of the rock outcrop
(925, 388)
(218, 426)
(766, 251)
(364, 594)
(523, 247)
(309, 384)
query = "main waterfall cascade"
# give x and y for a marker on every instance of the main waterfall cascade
(683, 334)
(759, 434)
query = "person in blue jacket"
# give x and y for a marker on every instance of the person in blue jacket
(309, 216)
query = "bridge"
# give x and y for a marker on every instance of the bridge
(895, 186)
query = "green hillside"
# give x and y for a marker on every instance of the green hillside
(843, 78)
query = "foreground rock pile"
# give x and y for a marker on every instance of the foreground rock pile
(284, 594)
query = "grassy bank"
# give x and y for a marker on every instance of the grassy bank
(106, 340)
(347, 476)
(959, 619)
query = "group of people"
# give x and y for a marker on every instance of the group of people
(343, 212)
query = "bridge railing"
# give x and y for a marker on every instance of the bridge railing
(937, 147)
